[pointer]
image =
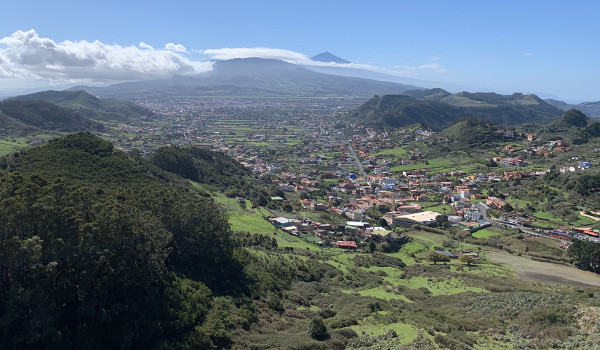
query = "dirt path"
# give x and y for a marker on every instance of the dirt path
(537, 271)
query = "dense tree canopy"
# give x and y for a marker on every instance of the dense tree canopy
(110, 261)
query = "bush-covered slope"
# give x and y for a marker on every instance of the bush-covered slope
(215, 169)
(472, 131)
(96, 252)
(32, 115)
(89, 105)
(573, 126)
(439, 110)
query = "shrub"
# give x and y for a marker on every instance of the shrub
(317, 329)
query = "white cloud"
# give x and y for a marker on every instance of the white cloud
(528, 54)
(26, 55)
(175, 47)
(260, 52)
(143, 45)
(298, 58)
(412, 70)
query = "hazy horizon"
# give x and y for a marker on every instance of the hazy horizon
(516, 47)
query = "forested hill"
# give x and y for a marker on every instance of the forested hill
(18, 118)
(80, 157)
(89, 105)
(214, 169)
(394, 111)
(98, 252)
(573, 126)
(470, 131)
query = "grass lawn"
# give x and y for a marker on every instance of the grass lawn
(439, 286)
(286, 240)
(428, 239)
(11, 146)
(441, 208)
(398, 152)
(252, 223)
(406, 333)
(486, 232)
(581, 220)
(381, 293)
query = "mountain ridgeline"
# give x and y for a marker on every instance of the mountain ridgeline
(438, 109)
(88, 105)
(591, 109)
(255, 77)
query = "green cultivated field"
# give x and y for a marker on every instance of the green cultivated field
(486, 232)
(9, 146)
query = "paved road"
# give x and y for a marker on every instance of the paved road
(360, 166)
(483, 210)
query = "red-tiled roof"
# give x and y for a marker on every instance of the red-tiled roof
(345, 244)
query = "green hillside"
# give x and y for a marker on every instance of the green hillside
(21, 118)
(472, 131)
(439, 109)
(89, 105)
(11, 127)
(102, 252)
(215, 170)
(486, 99)
(573, 126)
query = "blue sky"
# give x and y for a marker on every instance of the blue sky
(524, 46)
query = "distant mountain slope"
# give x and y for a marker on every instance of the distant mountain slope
(591, 109)
(22, 117)
(570, 119)
(573, 126)
(399, 110)
(486, 99)
(89, 105)
(255, 77)
(11, 127)
(328, 57)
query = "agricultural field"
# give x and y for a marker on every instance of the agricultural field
(486, 233)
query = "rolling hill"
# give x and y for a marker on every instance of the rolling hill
(573, 126)
(472, 131)
(486, 99)
(20, 118)
(89, 105)
(438, 109)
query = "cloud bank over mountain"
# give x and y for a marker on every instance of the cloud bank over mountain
(26, 56)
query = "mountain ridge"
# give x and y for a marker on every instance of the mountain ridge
(22, 117)
(591, 109)
(88, 105)
(272, 77)
(328, 57)
(394, 111)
